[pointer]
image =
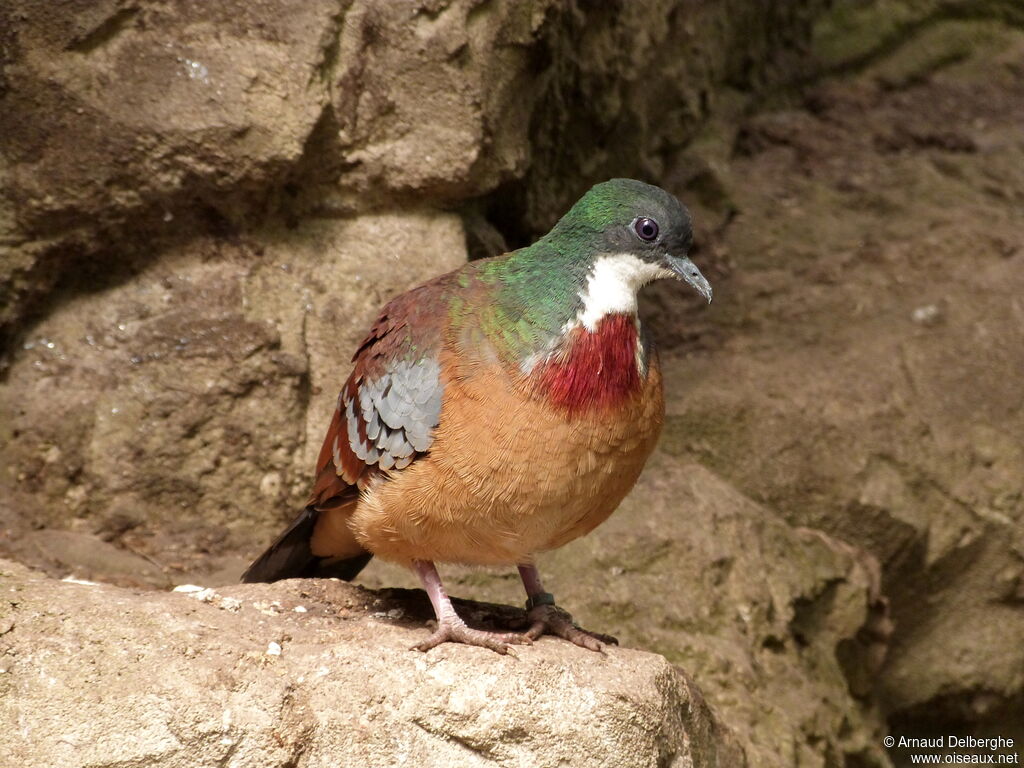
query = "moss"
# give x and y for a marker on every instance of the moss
(937, 48)
(852, 37)
(852, 32)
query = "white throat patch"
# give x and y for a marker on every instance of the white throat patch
(613, 284)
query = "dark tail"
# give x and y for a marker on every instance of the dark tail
(291, 558)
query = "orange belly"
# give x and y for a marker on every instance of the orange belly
(508, 475)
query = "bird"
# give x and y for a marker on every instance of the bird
(498, 411)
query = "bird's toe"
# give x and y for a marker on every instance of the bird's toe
(499, 642)
(552, 620)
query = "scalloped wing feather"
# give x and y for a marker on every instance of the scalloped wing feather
(390, 406)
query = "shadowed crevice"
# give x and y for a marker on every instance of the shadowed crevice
(105, 32)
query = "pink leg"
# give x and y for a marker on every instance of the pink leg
(548, 618)
(450, 628)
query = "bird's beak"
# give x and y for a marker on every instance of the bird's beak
(687, 270)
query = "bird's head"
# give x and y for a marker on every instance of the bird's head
(636, 231)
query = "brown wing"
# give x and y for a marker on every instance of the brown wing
(389, 407)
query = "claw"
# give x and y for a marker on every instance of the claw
(458, 632)
(552, 620)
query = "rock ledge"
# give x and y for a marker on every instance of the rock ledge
(305, 673)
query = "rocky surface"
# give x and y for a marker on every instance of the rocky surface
(864, 378)
(318, 674)
(201, 206)
(168, 411)
(122, 124)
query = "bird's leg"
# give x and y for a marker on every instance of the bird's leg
(452, 629)
(547, 618)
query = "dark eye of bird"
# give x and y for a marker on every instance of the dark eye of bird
(645, 228)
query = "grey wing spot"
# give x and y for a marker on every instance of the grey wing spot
(386, 408)
(352, 427)
(418, 435)
(399, 446)
(389, 440)
(399, 411)
(366, 394)
(370, 394)
(398, 404)
(425, 385)
(373, 426)
(432, 408)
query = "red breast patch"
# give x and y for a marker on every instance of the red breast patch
(595, 369)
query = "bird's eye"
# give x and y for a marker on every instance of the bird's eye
(645, 228)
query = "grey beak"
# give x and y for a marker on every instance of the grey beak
(688, 271)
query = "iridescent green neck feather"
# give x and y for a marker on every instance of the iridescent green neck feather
(595, 258)
(531, 295)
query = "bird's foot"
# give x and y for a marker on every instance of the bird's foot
(549, 619)
(457, 632)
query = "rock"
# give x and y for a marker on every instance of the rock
(172, 405)
(630, 84)
(836, 396)
(82, 556)
(100, 676)
(122, 123)
(780, 627)
(120, 119)
(195, 197)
